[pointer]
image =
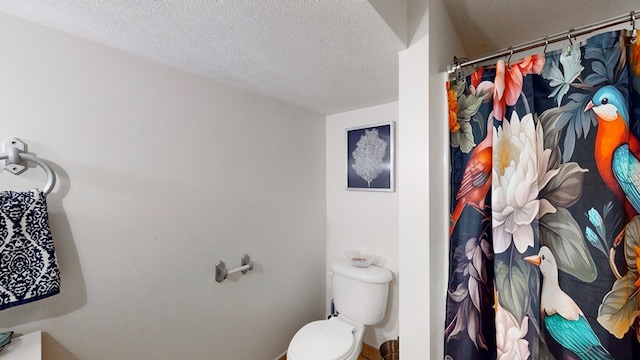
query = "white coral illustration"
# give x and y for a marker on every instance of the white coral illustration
(368, 156)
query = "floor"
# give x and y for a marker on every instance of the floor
(368, 353)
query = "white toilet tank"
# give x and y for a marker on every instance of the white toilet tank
(360, 294)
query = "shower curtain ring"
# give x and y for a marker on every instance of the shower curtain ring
(509, 58)
(634, 32)
(546, 43)
(570, 47)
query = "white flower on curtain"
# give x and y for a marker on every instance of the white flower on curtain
(510, 341)
(519, 172)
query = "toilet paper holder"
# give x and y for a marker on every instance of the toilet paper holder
(222, 272)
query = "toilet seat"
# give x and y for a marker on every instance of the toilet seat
(322, 340)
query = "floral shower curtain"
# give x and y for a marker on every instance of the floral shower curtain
(545, 197)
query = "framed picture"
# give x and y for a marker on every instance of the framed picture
(370, 157)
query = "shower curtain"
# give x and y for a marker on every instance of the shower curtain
(545, 193)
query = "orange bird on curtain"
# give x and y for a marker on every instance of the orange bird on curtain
(476, 179)
(616, 151)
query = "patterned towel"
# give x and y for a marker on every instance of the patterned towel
(28, 266)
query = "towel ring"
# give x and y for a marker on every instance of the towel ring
(15, 153)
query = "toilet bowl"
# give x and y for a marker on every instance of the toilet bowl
(333, 339)
(360, 296)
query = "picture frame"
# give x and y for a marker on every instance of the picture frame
(370, 157)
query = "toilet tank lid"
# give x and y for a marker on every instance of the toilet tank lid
(372, 273)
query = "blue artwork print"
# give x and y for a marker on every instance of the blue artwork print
(370, 158)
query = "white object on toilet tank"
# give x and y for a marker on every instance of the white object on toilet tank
(361, 294)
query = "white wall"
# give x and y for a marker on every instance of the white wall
(362, 220)
(162, 174)
(442, 49)
(423, 179)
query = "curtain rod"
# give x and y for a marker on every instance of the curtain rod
(566, 35)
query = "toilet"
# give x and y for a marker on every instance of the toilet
(360, 296)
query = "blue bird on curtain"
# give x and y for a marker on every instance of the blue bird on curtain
(566, 329)
(616, 150)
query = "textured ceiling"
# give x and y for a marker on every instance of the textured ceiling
(486, 26)
(324, 55)
(327, 56)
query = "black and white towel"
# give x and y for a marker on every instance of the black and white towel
(28, 266)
